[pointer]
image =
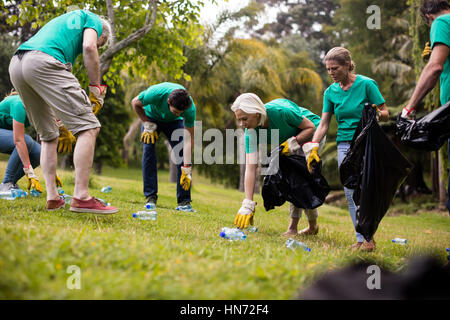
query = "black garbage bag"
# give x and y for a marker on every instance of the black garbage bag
(424, 278)
(292, 182)
(374, 168)
(428, 133)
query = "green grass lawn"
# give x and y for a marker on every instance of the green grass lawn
(180, 255)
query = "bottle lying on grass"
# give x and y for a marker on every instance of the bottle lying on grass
(145, 215)
(294, 244)
(232, 234)
(13, 194)
(106, 189)
(399, 240)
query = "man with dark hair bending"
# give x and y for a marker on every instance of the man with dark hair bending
(435, 13)
(167, 107)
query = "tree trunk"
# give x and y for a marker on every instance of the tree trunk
(172, 166)
(129, 137)
(435, 174)
(442, 193)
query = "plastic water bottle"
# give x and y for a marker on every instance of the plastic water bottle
(7, 195)
(145, 215)
(252, 229)
(18, 193)
(67, 198)
(150, 206)
(34, 193)
(294, 244)
(106, 189)
(60, 190)
(13, 194)
(399, 241)
(232, 234)
(448, 252)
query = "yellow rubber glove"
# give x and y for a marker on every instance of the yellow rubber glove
(426, 51)
(308, 149)
(186, 177)
(58, 182)
(33, 181)
(313, 157)
(289, 146)
(66, 140)
(149, 135)
(97, 96)
(245, 215)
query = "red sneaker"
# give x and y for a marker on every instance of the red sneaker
(93, 205)
(55, 204)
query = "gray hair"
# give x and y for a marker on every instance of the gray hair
(250, 103)
(107, 31)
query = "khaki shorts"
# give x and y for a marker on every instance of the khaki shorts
(50, 91)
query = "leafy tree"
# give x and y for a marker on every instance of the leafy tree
(144, 33)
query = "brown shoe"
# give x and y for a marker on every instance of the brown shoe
(309, 232)
(368, 246)
(55, 204)
(355, 246)
(93, 205)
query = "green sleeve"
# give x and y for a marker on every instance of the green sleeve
(93, 22)
(189, 116)
(148, 96)
(374, 94)
(18, 111)
(327, 104)
(440, 32)
(292, 118)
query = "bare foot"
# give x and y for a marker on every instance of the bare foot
(309, 231)
(290, 233)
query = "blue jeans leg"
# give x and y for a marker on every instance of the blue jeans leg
(342, 151)
(34, 152)
(14, 169)
(149, 172)
(168, 129)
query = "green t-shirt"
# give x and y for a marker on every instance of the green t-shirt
(62, 37)
(347, 106)
(284, 116)
(156, 107)
(440, 33)
(12, 108)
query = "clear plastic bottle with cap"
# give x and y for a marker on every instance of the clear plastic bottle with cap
(400, 241)
(232, 234)
(35, 193)
(60, 190)
(150, 206)
(294, 244)
(13, 194)
(145, 215)
(7, 195)
(106, 189)
(67, 198)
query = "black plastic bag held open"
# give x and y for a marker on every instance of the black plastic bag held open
(292, 182)
(375, 168)
(428, 133)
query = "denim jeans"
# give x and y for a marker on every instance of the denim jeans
(14, 169)
(149, 171)
(342, 148)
